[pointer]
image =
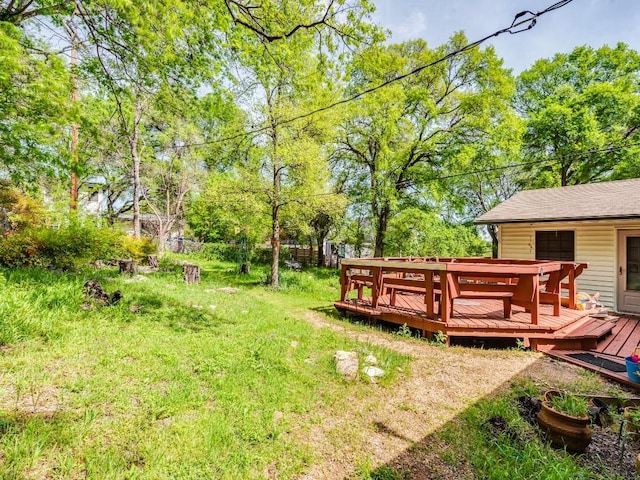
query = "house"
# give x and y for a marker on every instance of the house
(597, 223)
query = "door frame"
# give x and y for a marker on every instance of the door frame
(621, 266)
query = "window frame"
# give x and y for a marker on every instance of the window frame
(559, 252)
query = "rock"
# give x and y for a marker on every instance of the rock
(212, 307)
(278, 417)
(347, 364)
(136, 278)
(373, 372)
(371, 360)
(229, 290)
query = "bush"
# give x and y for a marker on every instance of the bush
(69, 247)
(136, 248)
(223, 252)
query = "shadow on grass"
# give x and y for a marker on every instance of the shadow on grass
(493, 438)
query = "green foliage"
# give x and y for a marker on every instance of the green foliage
(393, 145)
(404, 331)
(34, 107)
(439, 338)
(418, 233)
(515, 448)
(228, 385)
(223, 252)
(69, 247)
(17, 209)
(570, 404)
(131, 247)
(577, 107)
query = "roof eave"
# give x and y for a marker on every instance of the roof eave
(479, 221)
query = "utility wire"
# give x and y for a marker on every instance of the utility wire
(608, 149)
(522, 22)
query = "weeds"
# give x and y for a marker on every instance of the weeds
(161, 385)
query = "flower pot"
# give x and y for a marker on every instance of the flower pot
(632, 370)
(564, 431)
(632, 425)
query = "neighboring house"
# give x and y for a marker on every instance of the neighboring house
(93, 198)
(598, 223)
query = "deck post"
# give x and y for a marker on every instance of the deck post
(572, 288)
(429, 298)
(344, 283)
(535, 303)
(445, 300)
(376, 280)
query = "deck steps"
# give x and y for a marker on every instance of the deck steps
(583, 334)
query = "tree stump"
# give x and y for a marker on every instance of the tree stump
(245, 268)
(191, 273)
(153, 261)
(129, 267)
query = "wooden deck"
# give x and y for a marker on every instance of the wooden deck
(572, 329)
(607, 357)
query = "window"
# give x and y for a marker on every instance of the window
(555, 245)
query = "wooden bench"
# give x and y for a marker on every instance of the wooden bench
(471, 288)
(474, 288)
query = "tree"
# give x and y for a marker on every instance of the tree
(288, 168)
(486, 172)
(34, 107)
(396, 139)
(414, 232)
(582, 111)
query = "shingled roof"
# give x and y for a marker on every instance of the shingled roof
(594, 201)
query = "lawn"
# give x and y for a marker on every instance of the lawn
(190, 381)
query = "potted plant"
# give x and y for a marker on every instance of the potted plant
(632, 366)
(565, 419)
(632, 420)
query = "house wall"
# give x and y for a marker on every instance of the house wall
(595, 244)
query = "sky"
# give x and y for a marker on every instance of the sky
(581, 22)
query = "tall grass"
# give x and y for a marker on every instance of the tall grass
(175, 381)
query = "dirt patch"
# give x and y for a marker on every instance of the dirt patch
(384, 428)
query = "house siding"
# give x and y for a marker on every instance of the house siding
(595, 244)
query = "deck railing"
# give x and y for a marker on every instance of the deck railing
(527, 283)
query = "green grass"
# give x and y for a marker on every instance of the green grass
(181, 381)
(176, 381)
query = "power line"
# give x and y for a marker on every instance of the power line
(522, 22)
(608, 149)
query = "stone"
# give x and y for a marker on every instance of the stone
(229, 290)
(278, 417)
(371, 360)
(373, 372)
(347, 364)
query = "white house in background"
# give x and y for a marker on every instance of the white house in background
(93, 197)
(598, 223)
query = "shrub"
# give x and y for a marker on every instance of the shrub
(223, 252)
(136, 248)
(68, 247)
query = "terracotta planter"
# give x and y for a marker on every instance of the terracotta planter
(564, 431)
(631, 426)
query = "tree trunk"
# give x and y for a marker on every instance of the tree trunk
(381, 231)
(130, 267)
(137, 230)
(275, 249)
(321, 259)
(191, 273)
(493, 232)
(275, 214)
(75, 131)
(152, 260)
